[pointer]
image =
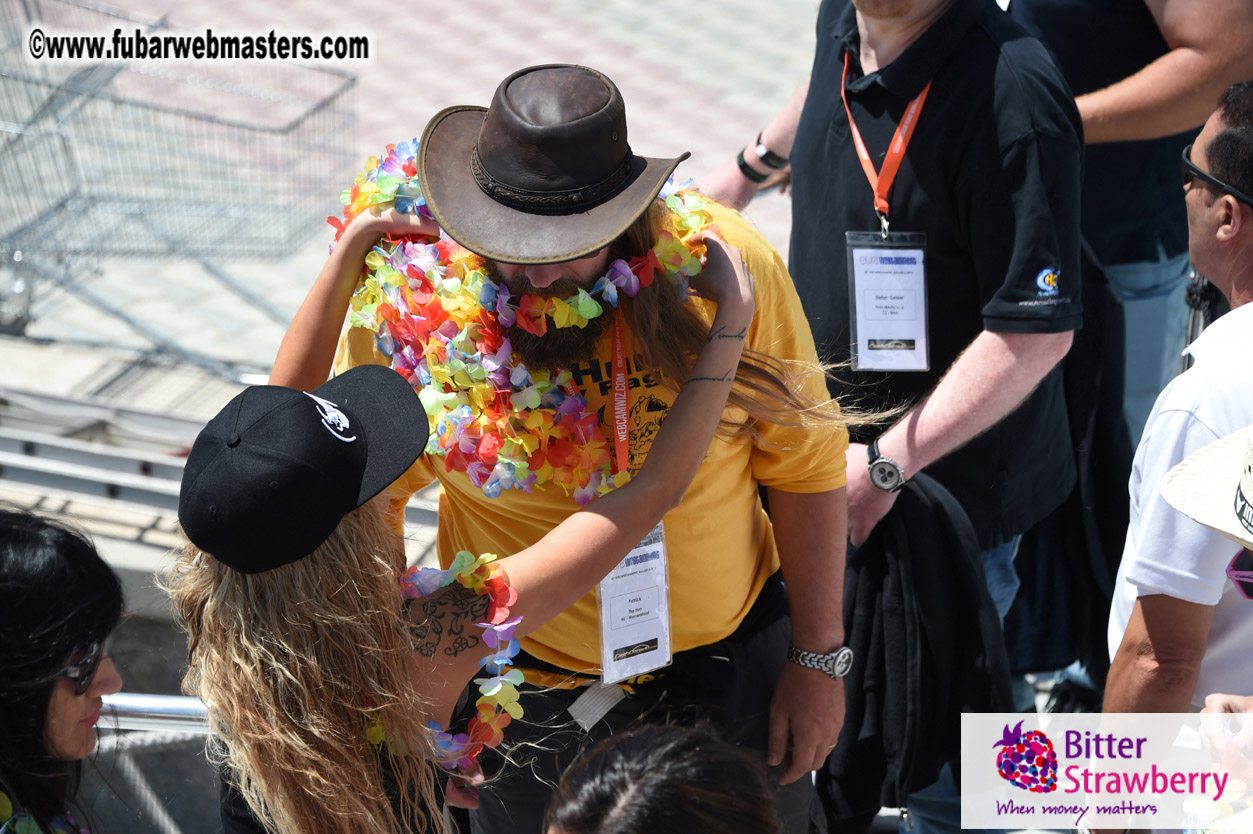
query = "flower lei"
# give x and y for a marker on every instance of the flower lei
(439, 319)
(498, 693)
(18, 821)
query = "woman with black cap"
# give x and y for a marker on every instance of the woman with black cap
(324, 677)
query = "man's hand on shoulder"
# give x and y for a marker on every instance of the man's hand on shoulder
(805, 720)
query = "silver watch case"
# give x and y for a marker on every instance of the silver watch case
(885, 473)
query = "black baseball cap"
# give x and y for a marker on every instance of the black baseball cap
(271, 476)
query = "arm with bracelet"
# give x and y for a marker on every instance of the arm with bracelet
(761, 164)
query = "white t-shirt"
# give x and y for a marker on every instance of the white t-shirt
(1167, 552)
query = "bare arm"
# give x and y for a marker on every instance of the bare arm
(1156, 666)
(807, 710)
(1209, 50)
(989, 380)
(553, 573)
(728, 185)
(308, 348)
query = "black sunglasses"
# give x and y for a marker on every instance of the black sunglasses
(1191, 172)
(84, 670)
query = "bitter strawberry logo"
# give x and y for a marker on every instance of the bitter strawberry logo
(1027, 760)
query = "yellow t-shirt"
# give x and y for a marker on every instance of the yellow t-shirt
(719, 542)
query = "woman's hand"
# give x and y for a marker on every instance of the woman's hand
(725, 280)
(304, 358)
(462, 788)
(368, 227)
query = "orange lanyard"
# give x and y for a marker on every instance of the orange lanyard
(621, 436)
(881, 182)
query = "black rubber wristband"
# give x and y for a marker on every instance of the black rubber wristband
(748, 171)
(768, 157)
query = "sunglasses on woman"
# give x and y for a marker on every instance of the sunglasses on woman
(82, 671)
(1240, 572)
(1191, 172)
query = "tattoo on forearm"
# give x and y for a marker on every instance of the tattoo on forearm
(719, 334)
(446, 621)
(726, 377)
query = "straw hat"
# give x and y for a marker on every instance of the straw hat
(1214, 487)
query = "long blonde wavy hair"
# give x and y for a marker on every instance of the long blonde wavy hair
(670, 335)
(295, 664)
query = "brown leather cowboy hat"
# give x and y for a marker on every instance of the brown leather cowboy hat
(545, 174)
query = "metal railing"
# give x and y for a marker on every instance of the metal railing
(154, 713)
(149, 723)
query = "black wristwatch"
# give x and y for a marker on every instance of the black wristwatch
(884, 472)
(835, 665)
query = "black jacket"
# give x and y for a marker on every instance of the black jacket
(1069, 561)
(928, 646)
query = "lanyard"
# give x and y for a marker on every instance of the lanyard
(881, 182)
(620, 433)
(619, 396)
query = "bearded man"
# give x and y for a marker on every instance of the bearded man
(548, 335)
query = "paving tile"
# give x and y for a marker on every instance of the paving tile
(702, 76)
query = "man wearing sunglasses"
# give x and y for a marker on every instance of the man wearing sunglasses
(1181, 625)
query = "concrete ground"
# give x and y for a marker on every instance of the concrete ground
(701, 76)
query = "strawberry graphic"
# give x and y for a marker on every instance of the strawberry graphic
(1027, 760)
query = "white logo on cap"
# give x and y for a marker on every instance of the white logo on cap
(335, 420)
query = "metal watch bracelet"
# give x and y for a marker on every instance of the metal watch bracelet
(835, 665)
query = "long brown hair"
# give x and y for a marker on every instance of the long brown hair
(670, 335)
(295, 664)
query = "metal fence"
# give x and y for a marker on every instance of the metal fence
(199, 159)
(194, 159)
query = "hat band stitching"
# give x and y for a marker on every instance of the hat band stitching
(521, 198)
(1244, 511)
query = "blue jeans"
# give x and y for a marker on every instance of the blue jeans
(1154, 297)
(937, 807)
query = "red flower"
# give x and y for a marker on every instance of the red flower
(489, 447)
(645, 267)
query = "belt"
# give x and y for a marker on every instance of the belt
(770, 605)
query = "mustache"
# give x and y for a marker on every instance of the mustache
(521, 285)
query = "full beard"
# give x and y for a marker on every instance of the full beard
(559, 347)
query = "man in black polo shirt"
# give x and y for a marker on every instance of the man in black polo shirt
(987, 139)
(1142, 95)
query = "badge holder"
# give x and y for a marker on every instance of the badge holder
(634, 606)
(887, 298)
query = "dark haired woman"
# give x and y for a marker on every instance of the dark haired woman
(59, 602)
(664, 780)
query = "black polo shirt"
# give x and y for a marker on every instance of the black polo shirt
(1132, 209)
(992, 176)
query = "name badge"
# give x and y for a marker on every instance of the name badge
(887, 297)
(634, 602)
